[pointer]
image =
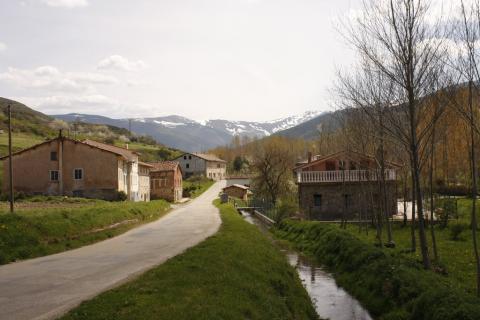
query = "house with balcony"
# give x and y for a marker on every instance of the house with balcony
(344, 185)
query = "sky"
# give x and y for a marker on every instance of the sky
(252, 60)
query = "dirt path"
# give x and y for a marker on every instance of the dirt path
(47, 287)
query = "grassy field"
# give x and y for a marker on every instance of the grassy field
(195, 186)
(46, 226)
(235, 274)
(454, 255)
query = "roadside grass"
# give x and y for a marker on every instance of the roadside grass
(39, 231)
(235, 274)
(195, 186)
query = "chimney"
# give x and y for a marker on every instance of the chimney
(126, 146)
(309, 156)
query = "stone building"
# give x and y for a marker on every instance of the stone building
(63, 166)
(237, 191)
(343, 185)
(207, 165)
(166, 181)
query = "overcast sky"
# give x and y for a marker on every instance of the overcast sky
(203, 59)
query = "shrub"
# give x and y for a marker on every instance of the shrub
(121, 196)
(456, 230)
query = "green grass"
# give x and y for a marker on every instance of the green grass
(235, 274)
(195, 186)
(388, 283)
(43, 228)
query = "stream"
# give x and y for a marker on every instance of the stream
(330, 301)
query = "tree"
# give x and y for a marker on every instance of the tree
(395, 39)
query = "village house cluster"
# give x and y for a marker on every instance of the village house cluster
(91, 169)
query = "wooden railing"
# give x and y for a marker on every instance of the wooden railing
(344, 176)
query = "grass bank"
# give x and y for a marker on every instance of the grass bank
(45, 227)
(195, 186)
(235, 274)
(390, 285)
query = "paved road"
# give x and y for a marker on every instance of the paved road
(46, 287)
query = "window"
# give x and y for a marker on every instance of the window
(54, 175)
(184, 157)
(218, 165)
(347, 200)
(53, 156)
(189, 157)
(317, 200)
(78, 174)
(187, 165)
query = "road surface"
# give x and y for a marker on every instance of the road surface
(46, 287)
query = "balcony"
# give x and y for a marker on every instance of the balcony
(344, 176)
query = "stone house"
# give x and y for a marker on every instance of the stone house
(207, 165)
(166, 181)
(63, 166)
(237, 191)
(344, 184)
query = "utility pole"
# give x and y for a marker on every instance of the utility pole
(10, 156)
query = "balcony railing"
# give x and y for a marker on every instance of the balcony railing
(344, 176)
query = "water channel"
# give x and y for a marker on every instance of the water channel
(330, 301)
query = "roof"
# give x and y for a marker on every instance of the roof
(140, 163)
(237, 186)
(127, 154)
(205, 156)
(350, 155)
(164, 166)
(96, 145)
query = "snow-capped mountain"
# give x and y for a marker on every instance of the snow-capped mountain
(190, 135)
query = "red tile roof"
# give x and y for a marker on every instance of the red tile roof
(127, 154)
(164, 166)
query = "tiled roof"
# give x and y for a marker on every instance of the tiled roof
(164, 166)
(205, 156)
(238, 186)
(140, 163)
(127, 154)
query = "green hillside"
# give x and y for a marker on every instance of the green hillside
(30, 127)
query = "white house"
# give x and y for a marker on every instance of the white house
(207, 165)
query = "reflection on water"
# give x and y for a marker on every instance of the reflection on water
(331, 301)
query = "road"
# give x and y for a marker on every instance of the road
(46, 287)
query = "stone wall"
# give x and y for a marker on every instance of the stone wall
(334, 200)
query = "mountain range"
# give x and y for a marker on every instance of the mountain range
(190, 135)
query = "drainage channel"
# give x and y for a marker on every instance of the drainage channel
(330, 301)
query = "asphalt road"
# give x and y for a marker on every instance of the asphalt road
(46, 287)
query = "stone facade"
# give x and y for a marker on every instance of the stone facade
(237, 191)
(332, 201)
(63, 166)
(166, 181)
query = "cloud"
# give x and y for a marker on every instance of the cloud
(117, 62)
(51, 78)
(3, 46)
(65, 3)
(57, 104)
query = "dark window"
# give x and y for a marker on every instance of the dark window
(184, 157)
(54, 175)
(187, 165)
(317, 200)
(53, 156)
(189, 157)
(347, 200)
(330, 166)
(78, 174)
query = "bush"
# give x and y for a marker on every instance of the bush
(121, 196)
(285, 209)
(456, 230)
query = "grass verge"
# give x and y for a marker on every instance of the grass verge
(387, 283)
(235, 274)
(195, 186)
(38, 232)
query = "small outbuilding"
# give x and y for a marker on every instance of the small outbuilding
(166, 181)
(237, 191)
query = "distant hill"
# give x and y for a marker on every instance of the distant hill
(30, 127)
(190, 135)
(309, 130)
